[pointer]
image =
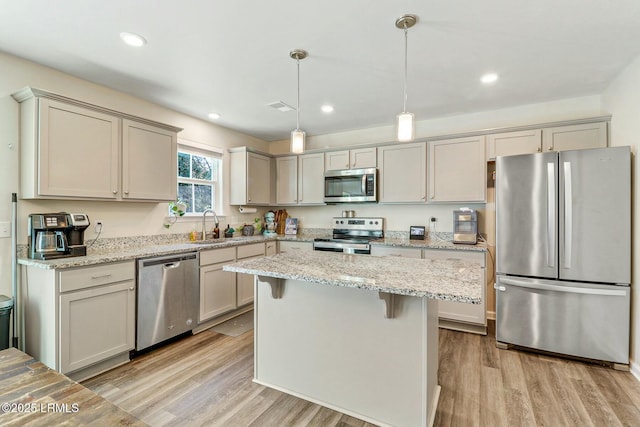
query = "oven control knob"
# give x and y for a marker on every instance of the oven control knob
(376, 222)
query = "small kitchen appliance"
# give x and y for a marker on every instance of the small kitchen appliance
(269, 224)
(352, 235)
(351, 186)
(79, 223)
(465, 226)
(48, 235)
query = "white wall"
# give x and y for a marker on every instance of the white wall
(622, 100)
(120, 218)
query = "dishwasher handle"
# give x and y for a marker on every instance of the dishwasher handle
(169, 260)
(172, 265)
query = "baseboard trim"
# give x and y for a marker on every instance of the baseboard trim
(635, 370)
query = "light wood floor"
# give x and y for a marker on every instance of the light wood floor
(206, 380)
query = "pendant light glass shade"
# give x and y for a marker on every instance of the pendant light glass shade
(298, 136)
(406, 127)
(297, 141)
(406, 123)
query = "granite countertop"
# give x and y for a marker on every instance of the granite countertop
(450, 280)
(143, 247)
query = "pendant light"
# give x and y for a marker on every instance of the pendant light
(406, 124)
(297, 135)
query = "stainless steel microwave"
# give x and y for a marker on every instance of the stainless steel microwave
(351, 186)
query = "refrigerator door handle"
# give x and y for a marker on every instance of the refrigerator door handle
(568, 215)
(562, 288)
(551, 218)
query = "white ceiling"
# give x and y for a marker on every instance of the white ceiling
(232, 57)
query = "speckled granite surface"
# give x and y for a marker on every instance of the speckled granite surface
(130, 248)
(450, 280)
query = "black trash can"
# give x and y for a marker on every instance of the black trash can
(6, 304)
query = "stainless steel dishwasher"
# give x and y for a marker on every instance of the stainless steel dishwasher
(167, 298)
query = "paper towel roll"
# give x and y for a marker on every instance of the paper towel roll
(247, 210)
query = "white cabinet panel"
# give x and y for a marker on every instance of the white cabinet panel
(96, 324)
(358, 158)
(149, 162)
(217, 292)
(287, 180)
(68, 133)
(288, 246)
(251, 178)
(396, 251)
(336, 160)
(402, 173)
(311, 179)
(575, 137)
(514, 143)
(473, 314)
(457, 170)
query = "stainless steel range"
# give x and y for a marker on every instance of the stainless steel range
(352, 235)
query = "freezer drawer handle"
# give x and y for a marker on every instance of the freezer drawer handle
(562, 288)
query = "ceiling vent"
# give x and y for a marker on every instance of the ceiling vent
(281, 106)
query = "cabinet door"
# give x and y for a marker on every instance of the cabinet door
(149, 162)
(287, 180)
(245, 287)
(575, 137)
(457, 311)
(457, 170)
(363, 158)
(217, 292)
(311, 179)
(68, 133)
(271, 248)
(258, 179)
(514, 143)
(403, 173)
(336, 160)
(95, 324)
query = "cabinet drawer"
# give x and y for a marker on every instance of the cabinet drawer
(87, 277)
(250, 250)
(217, 255)
(396, 251)
(455, 254)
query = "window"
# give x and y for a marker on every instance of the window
(199, 173)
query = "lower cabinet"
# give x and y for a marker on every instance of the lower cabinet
(457, 315)
(80, 321)
(396, 251)
(96, 324)
(223, 291)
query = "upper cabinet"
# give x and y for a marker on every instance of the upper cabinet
(287, 180)
(557, 138)
(402, 173)
(359, 158)
(121, 156)
(457, 170)
(251, 177)
(300, 179)
(311, 179)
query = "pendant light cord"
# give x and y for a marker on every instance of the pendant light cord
(404, 109)
(298, 101)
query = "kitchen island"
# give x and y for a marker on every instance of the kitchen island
(355, 333)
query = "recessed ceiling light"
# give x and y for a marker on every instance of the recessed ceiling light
(214, 116)
(489, 78)
(133, 39)
(327, 109)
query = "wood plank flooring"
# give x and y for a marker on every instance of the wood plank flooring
(206, 380)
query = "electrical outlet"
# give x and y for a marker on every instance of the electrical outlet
(98, 227)
(434, 219)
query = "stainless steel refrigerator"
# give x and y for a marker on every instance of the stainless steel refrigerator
(563, 252)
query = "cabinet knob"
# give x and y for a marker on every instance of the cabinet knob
(538, 149)
(423, 197)
(132, 288)
(126, 192)
(115, 191)
(346, 165)
(354, 164)
(550, 148)
(431, 197)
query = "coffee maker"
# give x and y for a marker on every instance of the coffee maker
(48, 235)
(79, 222)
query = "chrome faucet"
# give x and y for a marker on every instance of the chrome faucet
(204, 228)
